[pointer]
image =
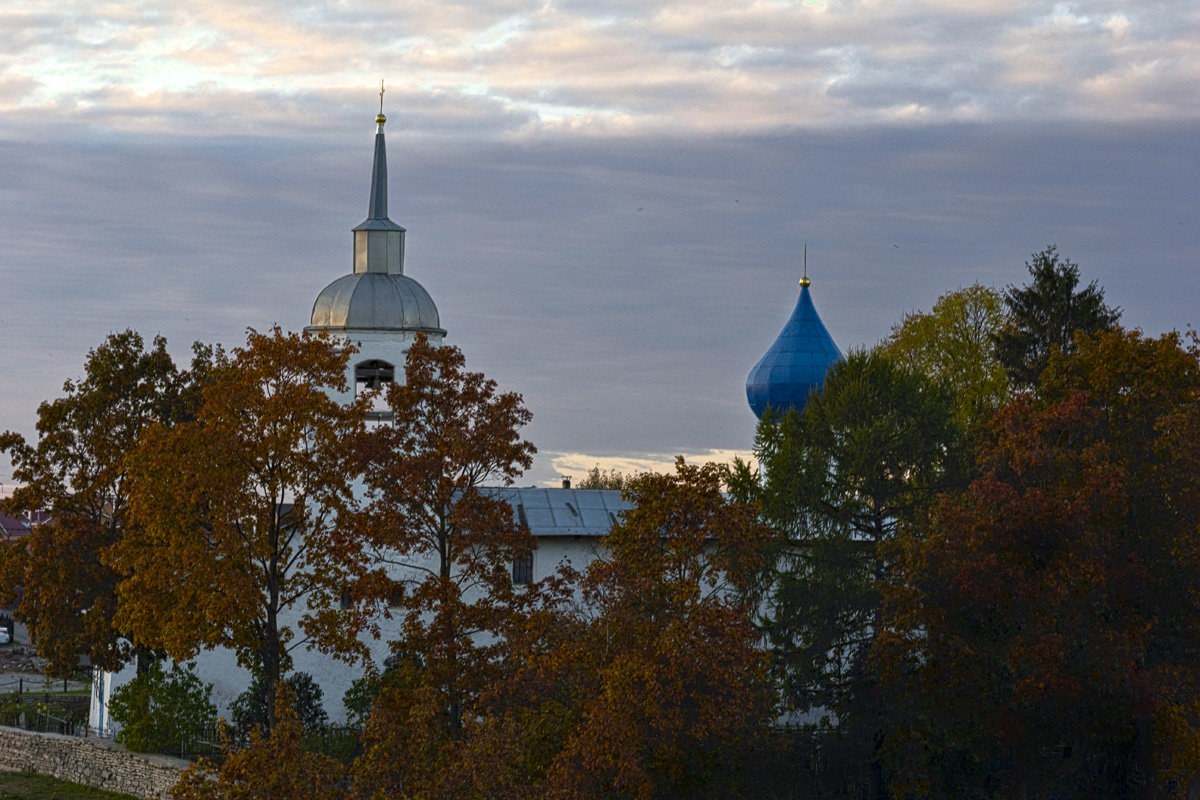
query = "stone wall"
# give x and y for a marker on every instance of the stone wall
(91, 762)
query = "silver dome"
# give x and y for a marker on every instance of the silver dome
(378, 301)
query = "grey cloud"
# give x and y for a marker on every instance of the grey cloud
(624, 285)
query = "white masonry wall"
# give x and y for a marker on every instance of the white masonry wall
(220, 669)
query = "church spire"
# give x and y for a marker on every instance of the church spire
(377, 208)
(377, 305)
(379, 242)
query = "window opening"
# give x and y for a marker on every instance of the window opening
(522, 569)
(373, 374)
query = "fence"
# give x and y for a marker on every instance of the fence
(23, 684)
(40, 721)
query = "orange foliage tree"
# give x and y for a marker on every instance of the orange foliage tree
(672, 678)
(651, 685)
(447, 549)
(237, 542)
(273, 765)
(1048, 626)
(76, 474)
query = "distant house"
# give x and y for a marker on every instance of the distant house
(12, 530)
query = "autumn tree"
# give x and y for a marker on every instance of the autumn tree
(1048, 621)
(447, 547)
(237, 541)
(954, 342)
(1045, 315)
(655, 684)
(272, 765)
(76, 473)
(867, 455)
(674, 678)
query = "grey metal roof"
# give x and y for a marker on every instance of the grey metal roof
(377, 208)
(564, 512)
(377, 295)
(374, 300)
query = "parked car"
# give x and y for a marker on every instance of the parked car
(5, 636)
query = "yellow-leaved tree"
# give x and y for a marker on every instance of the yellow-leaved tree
(237, 541)
(75, 475)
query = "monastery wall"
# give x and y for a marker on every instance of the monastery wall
(91, 762)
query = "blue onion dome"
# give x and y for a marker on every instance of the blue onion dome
(796, 363)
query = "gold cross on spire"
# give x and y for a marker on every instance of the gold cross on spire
(380, 119)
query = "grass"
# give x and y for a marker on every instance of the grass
(31, 786)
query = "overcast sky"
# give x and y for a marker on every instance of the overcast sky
(608, 201)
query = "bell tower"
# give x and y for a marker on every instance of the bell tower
(376, 307)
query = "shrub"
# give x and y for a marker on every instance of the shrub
(162, 711)
(250, 707)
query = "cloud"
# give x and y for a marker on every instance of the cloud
(577, 465)
(623, 285)
(522, 68)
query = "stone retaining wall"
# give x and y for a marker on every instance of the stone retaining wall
(91, 762)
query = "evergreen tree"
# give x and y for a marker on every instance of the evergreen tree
(867, 455)
(1046, 315)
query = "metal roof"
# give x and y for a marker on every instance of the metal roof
(377, 210)
(377, 295)
(12, 530)
(795, 364)
(564, 512)
(378, 301)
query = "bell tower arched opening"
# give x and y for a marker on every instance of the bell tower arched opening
(374, 375)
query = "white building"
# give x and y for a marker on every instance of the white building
(382, 311)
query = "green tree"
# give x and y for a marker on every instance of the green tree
(77, 474)
(237, 514)
(1046, 314)
(954, 342)
(597, 478)
(249, 709)
(163, 711)
(868, 455)
(1047, 622)
(400, 673)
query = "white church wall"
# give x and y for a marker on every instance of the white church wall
(219, 668)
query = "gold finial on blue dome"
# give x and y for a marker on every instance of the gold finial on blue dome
(804, 281)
